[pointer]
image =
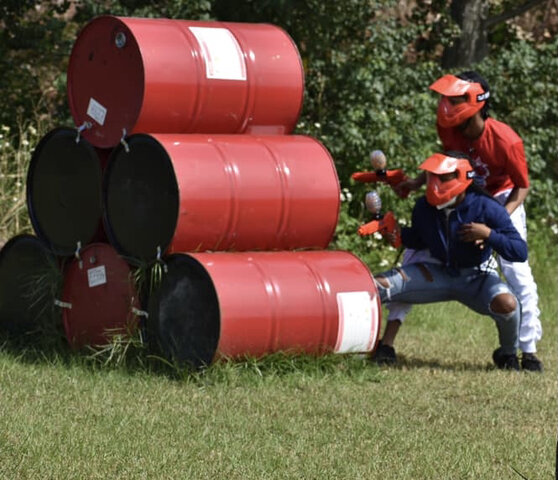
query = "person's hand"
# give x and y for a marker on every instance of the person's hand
(474, 232)
(403, 188)
(394, 235)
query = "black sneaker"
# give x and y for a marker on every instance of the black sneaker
(531, 363)
(505, 361)
(384, 355)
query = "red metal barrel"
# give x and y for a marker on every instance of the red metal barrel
(179, 76)
(64, 191)
(181, 193)
(221, 304)
(98, 297)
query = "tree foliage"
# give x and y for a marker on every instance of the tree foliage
(368, 64)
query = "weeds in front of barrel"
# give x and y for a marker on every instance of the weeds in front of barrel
(285, 367)
(123, 349)
(16, 149)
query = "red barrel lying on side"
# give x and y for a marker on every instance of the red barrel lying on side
(178, 76)
(187, 193)
(212, 305)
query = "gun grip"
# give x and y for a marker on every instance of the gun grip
(391, 227)
(369, 228)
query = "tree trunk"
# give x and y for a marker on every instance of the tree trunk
(472, 17)
(472, 45)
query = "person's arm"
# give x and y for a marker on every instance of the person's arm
(516, 166)
(497, 231)
(411, 184)
(503, 238)
(516, 197)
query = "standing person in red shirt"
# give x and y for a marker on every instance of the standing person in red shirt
(498, 157)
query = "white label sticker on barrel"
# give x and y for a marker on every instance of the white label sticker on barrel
(96, 111)
(221, 52)
(97, 276)
(358, 322)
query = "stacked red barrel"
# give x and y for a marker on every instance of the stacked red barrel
(191, 125)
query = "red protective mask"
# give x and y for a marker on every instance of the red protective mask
(450, 115)
(440, 193)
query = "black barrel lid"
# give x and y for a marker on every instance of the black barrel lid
(30, 281)
(64, 191)
(184, 316)
(140, 198)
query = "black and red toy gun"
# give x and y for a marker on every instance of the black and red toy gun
(380, 174)
(383, 224)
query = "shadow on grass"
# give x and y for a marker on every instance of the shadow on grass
(412, 363)
(34, 348)
(123, 353)
(129, 354)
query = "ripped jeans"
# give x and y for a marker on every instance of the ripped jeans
(429, 282)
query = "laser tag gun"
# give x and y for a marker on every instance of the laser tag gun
(381, 223)
(380, 174)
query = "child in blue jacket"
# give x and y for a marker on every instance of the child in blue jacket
(460, 225)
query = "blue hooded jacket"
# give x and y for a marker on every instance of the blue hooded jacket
(437, 230)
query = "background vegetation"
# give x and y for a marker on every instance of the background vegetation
(444, 412)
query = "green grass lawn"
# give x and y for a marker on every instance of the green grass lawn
(443, 413)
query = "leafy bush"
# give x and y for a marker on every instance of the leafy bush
(523, 80)
(525, 95)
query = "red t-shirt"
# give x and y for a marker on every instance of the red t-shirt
(498, 155)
